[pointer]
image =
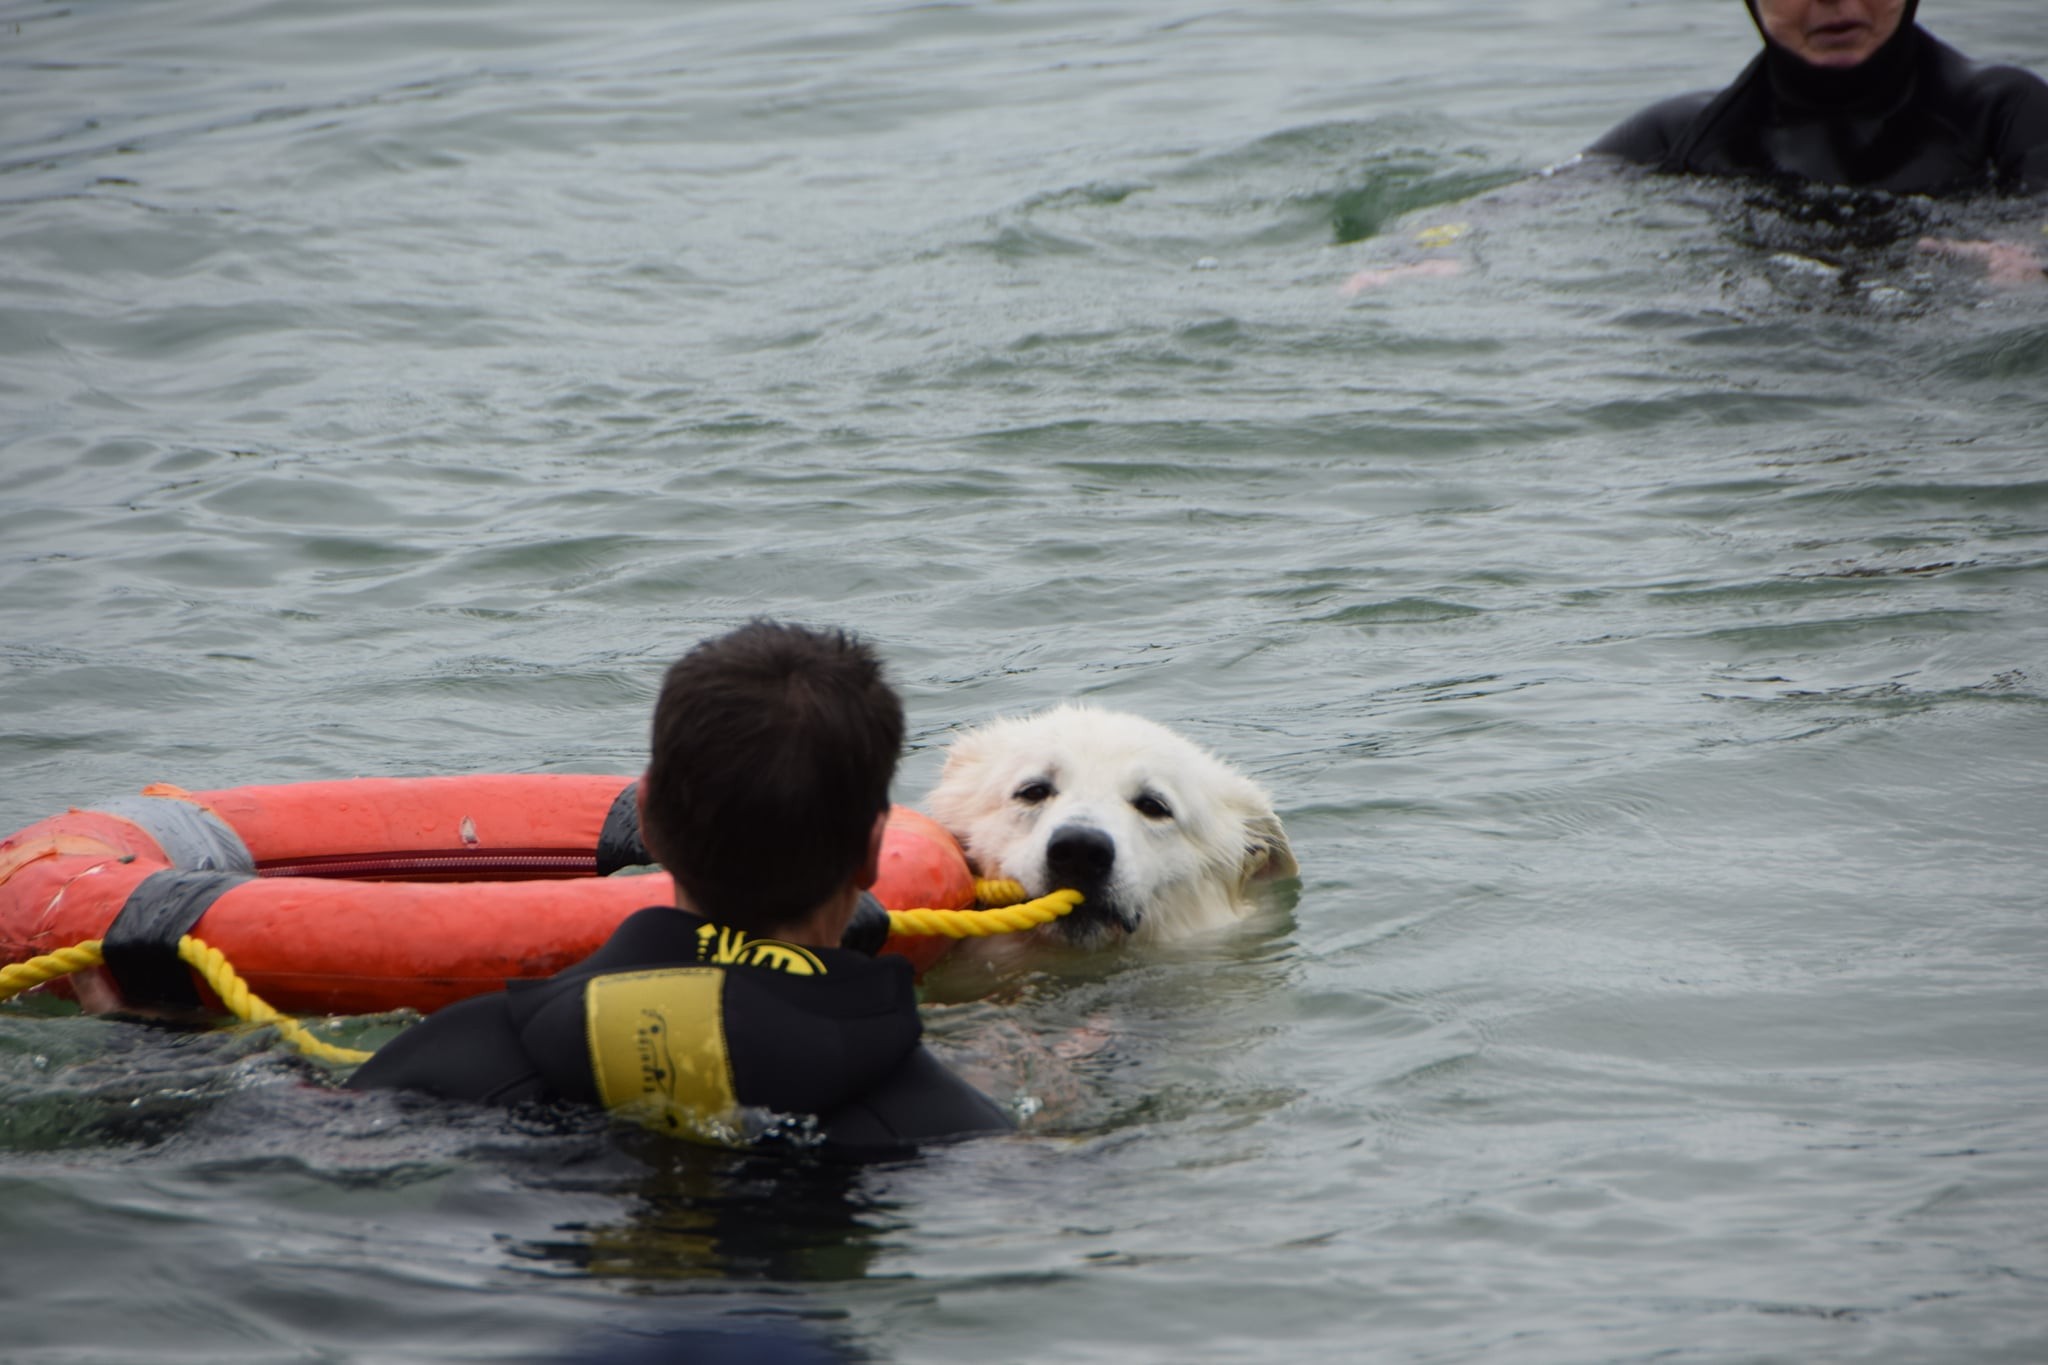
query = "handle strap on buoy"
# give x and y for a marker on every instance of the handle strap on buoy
(141, 948)
(619, 843)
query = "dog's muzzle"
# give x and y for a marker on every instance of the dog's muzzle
(1083, 858)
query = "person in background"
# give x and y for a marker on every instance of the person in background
(734, 1016)
(1855, 93)
(1845, 92)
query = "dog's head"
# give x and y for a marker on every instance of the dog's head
(1160, 836)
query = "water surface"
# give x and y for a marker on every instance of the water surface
(1643, 632)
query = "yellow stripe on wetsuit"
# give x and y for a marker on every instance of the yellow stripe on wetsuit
(657, 1046)
(657, 1038)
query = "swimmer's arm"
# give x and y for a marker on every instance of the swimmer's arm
(2005, 263)
(2020, 156)
(1378, 277)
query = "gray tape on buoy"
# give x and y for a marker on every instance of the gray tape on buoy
(193, 839)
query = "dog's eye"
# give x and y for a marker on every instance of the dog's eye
(1033, 792)
(1151, 807)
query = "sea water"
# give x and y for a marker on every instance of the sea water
(1642, 630)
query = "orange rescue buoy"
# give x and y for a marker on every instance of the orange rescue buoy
(372, 894)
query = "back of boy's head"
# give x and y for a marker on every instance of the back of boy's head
(773, 749)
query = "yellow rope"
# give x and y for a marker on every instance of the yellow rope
(1006, 919)
(250, 1007)
(17, 977)
(207, 960)
(1003, 917)
(998, 891)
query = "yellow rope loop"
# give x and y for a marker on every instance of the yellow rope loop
(246, 1005)
(998, 891)
(1007, 919)
(17, 977)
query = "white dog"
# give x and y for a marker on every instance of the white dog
(1162, 838)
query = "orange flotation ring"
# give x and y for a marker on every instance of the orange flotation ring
(353, 897)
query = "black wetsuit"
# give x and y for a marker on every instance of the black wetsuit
(705, 1032)
(1915, 117)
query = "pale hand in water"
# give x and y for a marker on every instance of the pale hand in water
(1435, 268)
(2004, 262)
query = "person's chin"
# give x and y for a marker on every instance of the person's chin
(1843, 49)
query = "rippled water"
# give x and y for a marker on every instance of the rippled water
(1643, 631)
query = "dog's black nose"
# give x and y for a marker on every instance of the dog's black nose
(1079, 854)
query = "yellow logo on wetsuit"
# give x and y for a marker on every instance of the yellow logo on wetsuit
(716, 943)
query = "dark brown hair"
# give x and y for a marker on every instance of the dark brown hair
(773, 750)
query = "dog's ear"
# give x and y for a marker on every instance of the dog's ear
(1267, 853)
(966, 755)
(954, 796)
